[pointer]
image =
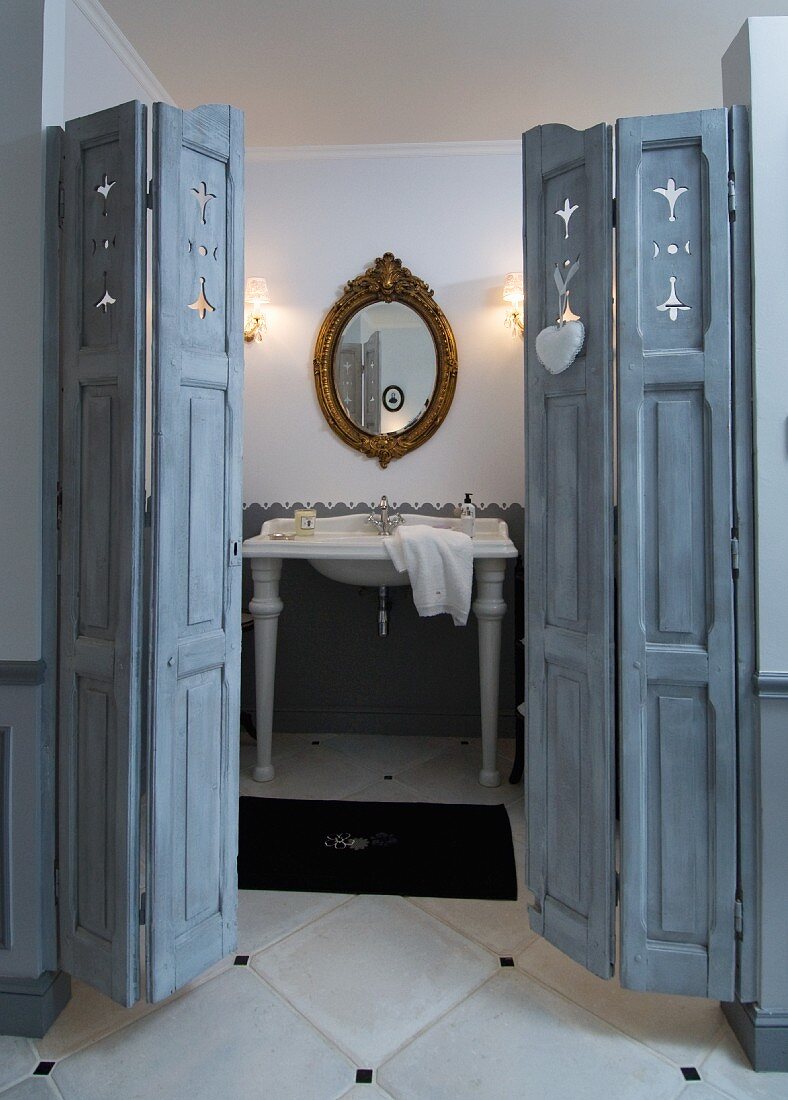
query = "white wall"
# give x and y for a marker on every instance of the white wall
(102, 68)
(755, 73)
(316, 222)
(32, 71)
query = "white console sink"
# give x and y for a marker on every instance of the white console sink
(350, 550)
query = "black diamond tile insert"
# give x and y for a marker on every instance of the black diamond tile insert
(315, 742)
(43, 1069)
(241, 960)
(465, 742)
(388, 776)
(363, 1076)
(690, 1073)
(507, 960)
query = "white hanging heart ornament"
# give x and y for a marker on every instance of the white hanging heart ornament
(557, 347)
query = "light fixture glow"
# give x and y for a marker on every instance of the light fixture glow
(256, 322)
(514, 296)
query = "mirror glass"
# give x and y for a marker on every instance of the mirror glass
(385, 368)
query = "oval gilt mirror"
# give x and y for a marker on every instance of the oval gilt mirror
(385, 362)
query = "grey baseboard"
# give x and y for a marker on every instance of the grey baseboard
(29, 1007)
(412, 723)
(763, 1035)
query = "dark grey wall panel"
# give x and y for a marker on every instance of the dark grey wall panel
(195, 635)
(103, 417)
(676, 643)
(569, 549)
(421, 679)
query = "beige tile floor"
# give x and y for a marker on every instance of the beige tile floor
(409, 988)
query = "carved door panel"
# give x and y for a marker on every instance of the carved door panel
(195, 628)
(676, 628)
(569, 550)
(102, 476)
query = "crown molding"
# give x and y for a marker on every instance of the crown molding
(267, 153)
(123, 49)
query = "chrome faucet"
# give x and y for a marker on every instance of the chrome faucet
(385, 523)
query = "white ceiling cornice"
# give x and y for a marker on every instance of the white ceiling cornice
(258, 154)
(120, 45)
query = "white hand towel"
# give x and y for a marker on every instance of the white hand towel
(440, 565)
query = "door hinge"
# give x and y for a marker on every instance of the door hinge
(61, 204)
(143, 907)
(618, 888)
(59, 505)
(738, 918)
(57, 882)
(614, 213)
(735, 555)
(731, 196)
(149, 196)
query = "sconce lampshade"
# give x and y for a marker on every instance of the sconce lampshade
(257, 290)
(513, 288)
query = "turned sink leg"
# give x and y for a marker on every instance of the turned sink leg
(489, 609)
(266, 607)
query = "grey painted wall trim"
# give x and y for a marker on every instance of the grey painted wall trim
(763, 1035)
(22, 673)
(771, 685)
(30, 1007)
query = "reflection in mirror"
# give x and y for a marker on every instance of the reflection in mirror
(385, 368)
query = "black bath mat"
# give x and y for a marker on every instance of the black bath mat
(415, 849)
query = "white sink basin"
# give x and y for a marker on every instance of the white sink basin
(350, 550)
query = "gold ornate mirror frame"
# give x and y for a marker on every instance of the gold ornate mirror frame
(386, 281)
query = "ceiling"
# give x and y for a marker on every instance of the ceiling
(327, 72)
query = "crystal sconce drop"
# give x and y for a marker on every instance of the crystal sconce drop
(255, 324)
(513, 295)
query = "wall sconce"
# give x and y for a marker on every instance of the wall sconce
(514, 296)
(256, 324)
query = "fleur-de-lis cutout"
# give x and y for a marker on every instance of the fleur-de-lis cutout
(204, 196)
(104, 189)
(201, 303)
(672, 303)
(565, 213)
(106, 300)
(672, 194)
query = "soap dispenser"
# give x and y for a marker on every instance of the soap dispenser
(467, 516)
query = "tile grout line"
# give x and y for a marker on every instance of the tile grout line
(192, 987)
(293, 931)
(406, 1042)
(308, 1020)
(613, 1027)
(438, 1019)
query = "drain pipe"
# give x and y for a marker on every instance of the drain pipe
(383, 611)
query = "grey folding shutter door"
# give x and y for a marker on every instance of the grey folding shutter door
(678, 735)
(103, 375)
(196, 540)
(569, 548)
